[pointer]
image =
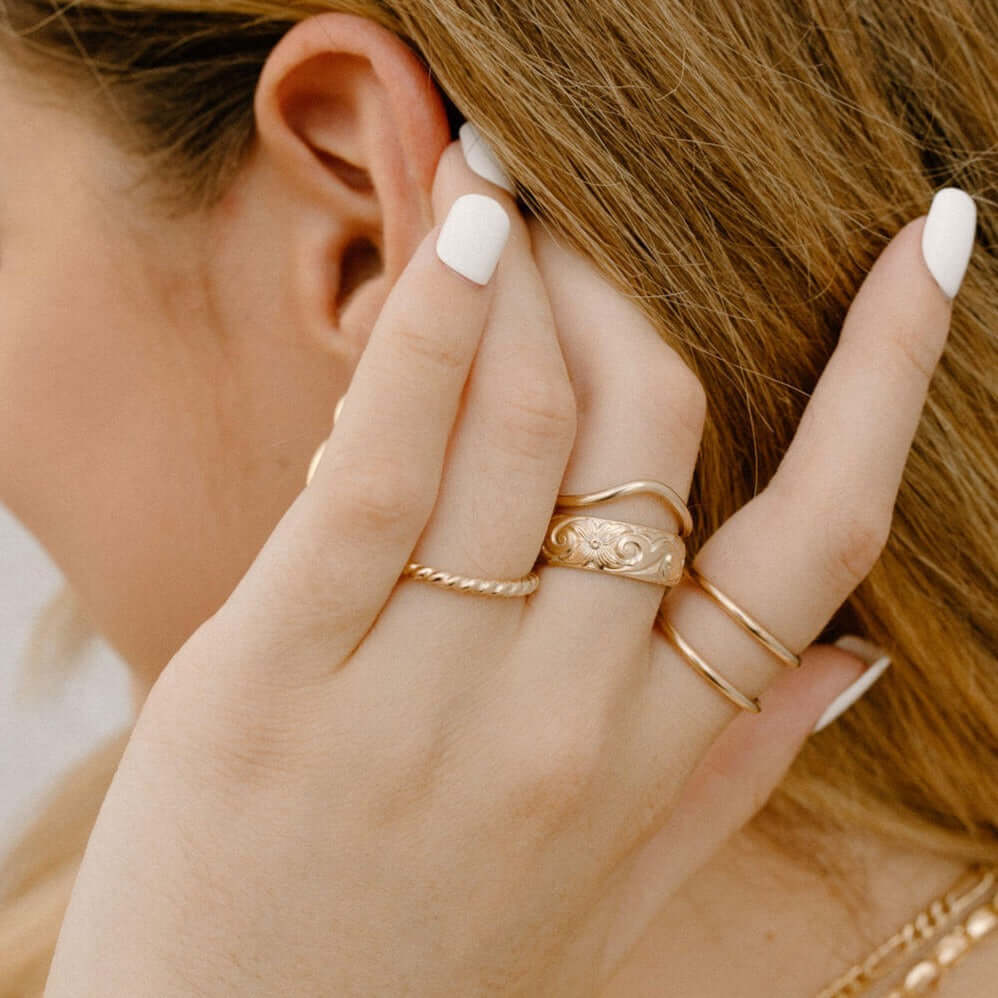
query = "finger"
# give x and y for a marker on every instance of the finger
(641, 416)
(792, 555)
(516, 426)
(729, 786)
(337, 554)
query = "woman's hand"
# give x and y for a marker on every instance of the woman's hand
(350, 784)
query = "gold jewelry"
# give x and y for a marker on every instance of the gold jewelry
(750, 624)
(672, 499)
(615, 547)
(317, 456)
(704, 669)
(473, 587)
(974, 886)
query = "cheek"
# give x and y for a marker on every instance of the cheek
(102, 446)
(66, 361)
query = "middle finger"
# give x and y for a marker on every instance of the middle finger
(641, 416)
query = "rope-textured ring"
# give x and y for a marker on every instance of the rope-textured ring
(473, 587)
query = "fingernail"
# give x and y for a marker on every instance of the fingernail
(481, 159)
(473, 236)
(877, 659)
(948, 238)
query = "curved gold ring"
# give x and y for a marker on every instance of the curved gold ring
(672, 499)
(764, 637)
(617, 547)
(715, 679)
(472, 587)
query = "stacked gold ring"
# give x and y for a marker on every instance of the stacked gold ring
(752, 626)
(672, 499)
(615, 547)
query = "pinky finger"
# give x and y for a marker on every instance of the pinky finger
(729, 786)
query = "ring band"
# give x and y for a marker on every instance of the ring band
(321, 449)
(700, 666)
(615, 547)
(672, 499)
(473, 587)
(750, 624)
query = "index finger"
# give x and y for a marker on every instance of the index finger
(337, 553)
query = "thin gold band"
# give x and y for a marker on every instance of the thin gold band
(672, 499)
(475, 587)
(750, 624)
(717, 681)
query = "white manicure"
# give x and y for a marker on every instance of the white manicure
(948, 238)
(473, 237)
(852, 693)
(481, 159)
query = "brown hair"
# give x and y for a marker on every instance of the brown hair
(737, 167)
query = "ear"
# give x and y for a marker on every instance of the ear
(351, 127)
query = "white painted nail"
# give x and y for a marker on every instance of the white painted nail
(473, 236)
(948, 238)
(481, 159)
(865, 650)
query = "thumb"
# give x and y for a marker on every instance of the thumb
(739, 772)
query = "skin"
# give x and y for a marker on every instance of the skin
(177, 377)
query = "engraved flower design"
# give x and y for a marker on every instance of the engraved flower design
(598, 543)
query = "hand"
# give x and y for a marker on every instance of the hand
(350, 784)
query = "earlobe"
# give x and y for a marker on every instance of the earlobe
(352, 128)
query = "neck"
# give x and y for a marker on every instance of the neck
(754, 923)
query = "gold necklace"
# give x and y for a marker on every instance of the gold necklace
(978, 884)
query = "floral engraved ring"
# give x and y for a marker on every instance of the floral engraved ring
(616, 547)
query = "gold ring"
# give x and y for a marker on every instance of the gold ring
(473, 587)
(764, 637)
(702, 668)
(321, 449)
(672, 499)
(615, 547)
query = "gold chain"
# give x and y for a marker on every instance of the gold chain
(974, 886)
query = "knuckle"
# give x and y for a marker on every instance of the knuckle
(422, 341)
(381, 493)
(553, 773)
(679, 400)
(856, 538)
(689, 399)
(244, 736)
(917, 353)
(539, 416)
(666, 398)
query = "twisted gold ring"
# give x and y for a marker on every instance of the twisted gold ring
(476, 587)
